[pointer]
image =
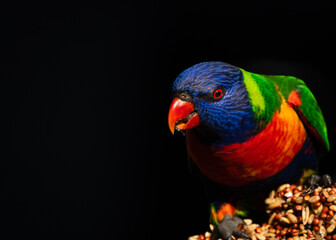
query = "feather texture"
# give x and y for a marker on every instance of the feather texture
(261, 133)
(258, 158)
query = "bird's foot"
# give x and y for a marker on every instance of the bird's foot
(315, 180)
(228, 227)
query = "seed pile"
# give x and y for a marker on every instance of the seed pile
(298, 213)
(295, 213)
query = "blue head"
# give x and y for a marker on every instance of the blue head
(220, 99)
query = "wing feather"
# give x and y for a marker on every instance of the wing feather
(297, 94)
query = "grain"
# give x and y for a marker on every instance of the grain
(248, 221)
(305, 214)
(314, 199)
(292, 218)
(285, 220)
(282, 187)
(295, 213)
(331, 228)
(331, 198)
(269, 200)
(299, 200)
(275, 204)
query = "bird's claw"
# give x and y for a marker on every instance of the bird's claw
(228, 227)
(327, 180)
(315, 180)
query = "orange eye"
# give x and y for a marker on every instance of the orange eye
(218, 94)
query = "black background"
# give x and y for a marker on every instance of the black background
(86, 96)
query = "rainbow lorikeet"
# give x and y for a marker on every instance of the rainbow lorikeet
(246, 133)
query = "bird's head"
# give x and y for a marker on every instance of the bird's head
(211, 98)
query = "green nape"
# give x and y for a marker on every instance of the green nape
(264, 97)
(286, 84)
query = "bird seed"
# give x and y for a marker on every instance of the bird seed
(295, 213)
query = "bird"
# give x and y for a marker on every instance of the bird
(246, 133)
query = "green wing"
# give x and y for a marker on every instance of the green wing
(297, 94)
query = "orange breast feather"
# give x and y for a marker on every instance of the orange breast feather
(260, 157)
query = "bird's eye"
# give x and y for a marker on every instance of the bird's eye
(218, 94)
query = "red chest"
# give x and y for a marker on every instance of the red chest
(260, 157)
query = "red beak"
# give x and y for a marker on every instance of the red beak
(182, 115)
